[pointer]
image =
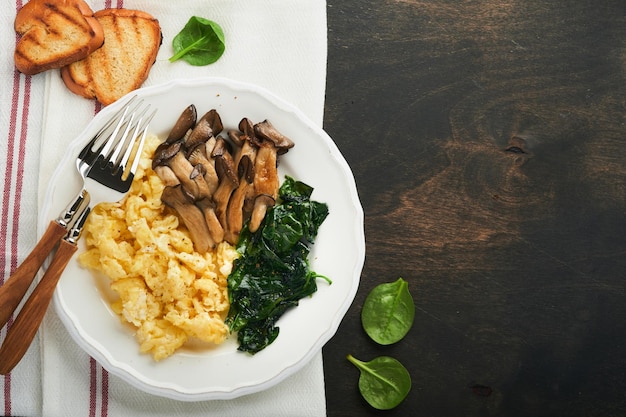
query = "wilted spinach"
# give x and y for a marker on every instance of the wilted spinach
(272, 274)
(201, 42)
(384, 382)
(388, 312)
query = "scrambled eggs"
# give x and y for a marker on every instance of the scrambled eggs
(167, 291)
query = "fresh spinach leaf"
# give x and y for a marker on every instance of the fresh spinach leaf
(384, 382)
(272, 274)
(201, 42)
(388, 312)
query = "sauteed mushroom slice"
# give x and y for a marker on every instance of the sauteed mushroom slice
(191, 215)
(167, 175)
(216, 230)
(245, 132)
(261, 203)
(239, 206)
(208, 148)
(247, 129)
(197, 186)
(186, 121)
(245, 168)
(235, 212)
(224, 163)
(266, 183)
(212, 117)
(164, 152)
(245, 160)
(267, 131)
(199, 134)
(198, 156)
(221, 198)
(226, 172)
(236, 137)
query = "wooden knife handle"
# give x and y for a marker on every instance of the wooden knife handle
(23, 330)
(14, 289)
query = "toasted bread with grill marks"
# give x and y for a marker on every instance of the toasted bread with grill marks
(54, 33)
(132, 39)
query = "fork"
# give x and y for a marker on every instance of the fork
(107, 165)
(14, 289)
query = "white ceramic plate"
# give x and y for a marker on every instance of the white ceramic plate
(339, 252)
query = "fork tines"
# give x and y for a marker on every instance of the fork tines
(117, 144)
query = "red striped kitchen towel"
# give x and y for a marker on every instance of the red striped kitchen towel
(284, 38)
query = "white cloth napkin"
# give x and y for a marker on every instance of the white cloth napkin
(276, 44)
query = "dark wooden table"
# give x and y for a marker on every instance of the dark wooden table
(488, 143)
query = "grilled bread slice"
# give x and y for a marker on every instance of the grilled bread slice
(54, 33)
(132, 39)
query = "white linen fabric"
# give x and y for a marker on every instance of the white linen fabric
(21, 106)
(277, 44)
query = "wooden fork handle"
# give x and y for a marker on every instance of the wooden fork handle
(14, 289)
(23, 330)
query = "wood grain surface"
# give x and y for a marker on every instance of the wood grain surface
(488, 143)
